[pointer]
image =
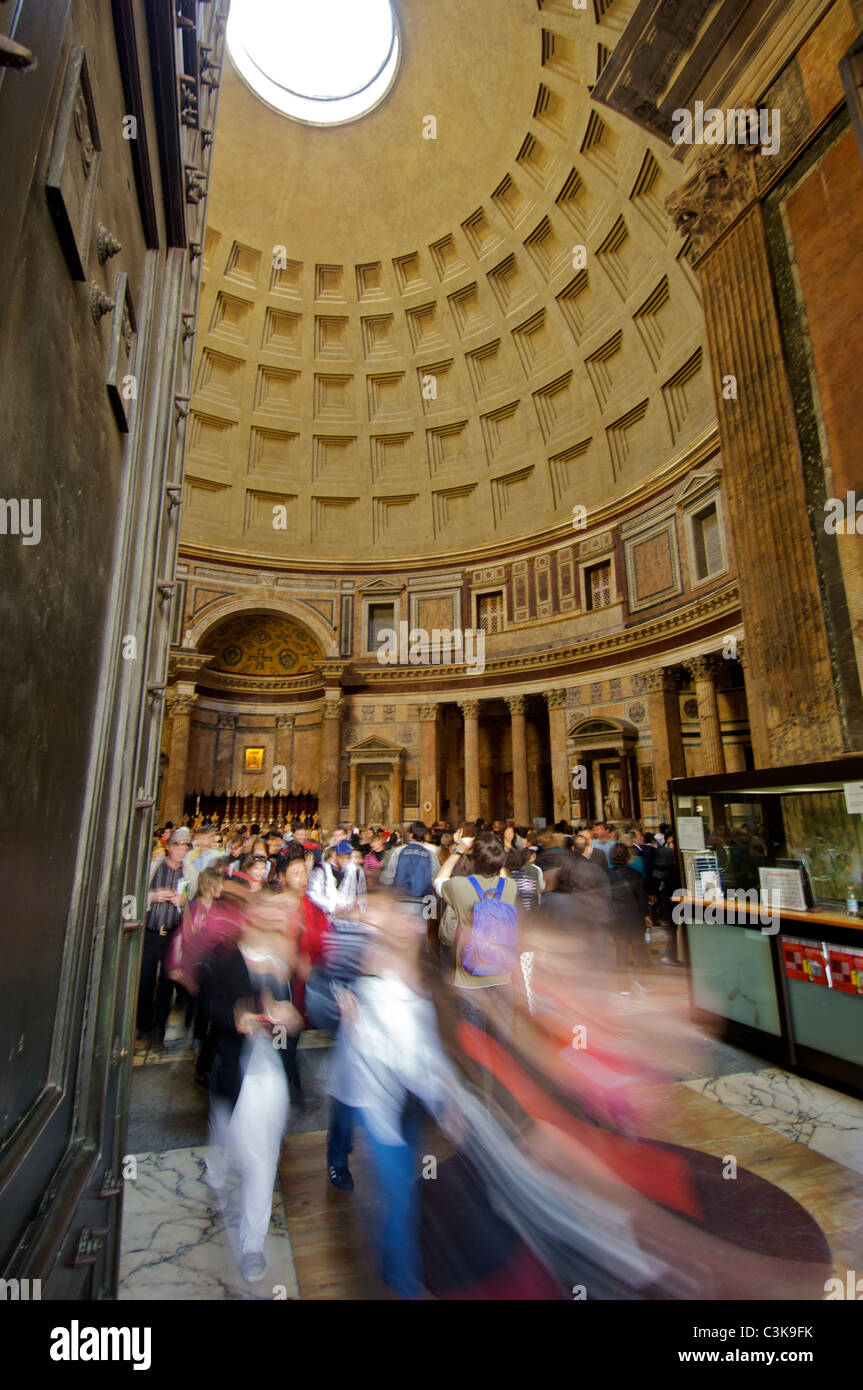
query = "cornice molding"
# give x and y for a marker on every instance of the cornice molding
(613, 648)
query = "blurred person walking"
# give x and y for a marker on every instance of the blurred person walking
(247, 989)
(166, 902)
(388, 1068)
(630, 917)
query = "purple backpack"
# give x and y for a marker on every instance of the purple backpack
(493, 945)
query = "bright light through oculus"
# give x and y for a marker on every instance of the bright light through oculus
(322, 61)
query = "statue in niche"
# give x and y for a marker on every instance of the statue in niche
(612, 805)
(377, 804)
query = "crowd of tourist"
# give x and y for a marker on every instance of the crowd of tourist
(455, 967)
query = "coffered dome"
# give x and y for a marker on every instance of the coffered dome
(442, 326)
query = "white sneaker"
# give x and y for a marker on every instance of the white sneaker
(254, 1267)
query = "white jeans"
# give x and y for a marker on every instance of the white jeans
(249, 1140)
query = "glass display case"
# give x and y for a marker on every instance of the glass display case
(770, 908)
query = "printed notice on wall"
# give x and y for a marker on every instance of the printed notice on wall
(690, 832)
(853, 797)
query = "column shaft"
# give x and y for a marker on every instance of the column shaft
(625, 795)
(470, 710)
(560, 789)
(397, 793)
(703, 671)
(331, 747)
(224, 770)
(793, 703)
(520, 796)
(665, 732)
(429, 763)
(180, 705)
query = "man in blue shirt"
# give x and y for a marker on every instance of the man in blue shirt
(604, 837)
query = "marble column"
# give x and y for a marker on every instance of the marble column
(735, 757)
(794, 709)
(520, 797)
(625, 793)
(560, 788)
(223, 775)
(397, 790)
(284, 759)
(585, 810)
(429, 763)
(703, 670)
(179, 703)
(665, 732)
(331, 750)
(354, 794)
(735, 753)
(470, 711)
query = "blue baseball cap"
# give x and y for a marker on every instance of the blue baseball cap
(344, 847)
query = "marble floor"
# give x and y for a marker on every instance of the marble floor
(811, 1114)
(177, 1244)
(801, 1137)
(830, 1191)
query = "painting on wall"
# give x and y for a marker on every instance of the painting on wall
(254, 759)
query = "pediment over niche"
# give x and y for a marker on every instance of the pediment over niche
(374, 747)
(602, 731)
(698, 482)
(381, 588)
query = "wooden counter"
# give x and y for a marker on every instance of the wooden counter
(815, 915)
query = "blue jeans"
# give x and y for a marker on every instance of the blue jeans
(395, 1166)
(340, 1133)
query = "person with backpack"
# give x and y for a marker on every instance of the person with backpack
(412, 868)
(485, 945)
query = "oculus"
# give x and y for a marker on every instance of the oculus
(324, 62)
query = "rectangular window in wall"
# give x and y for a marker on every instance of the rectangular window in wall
(381, 617)
(707, 542)
(489, 612)
(598, 584)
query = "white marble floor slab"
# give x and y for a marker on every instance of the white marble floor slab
(824, 1120)
(177, 1245)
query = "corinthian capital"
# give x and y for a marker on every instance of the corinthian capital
(555, 699)
(704, 668)
(429, 711)
(666, 678)
(334, 708)
(515, 704)
(180, 702)
(285, 721)
(470, 708)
